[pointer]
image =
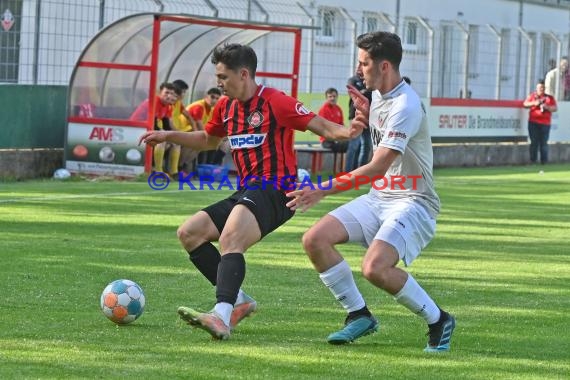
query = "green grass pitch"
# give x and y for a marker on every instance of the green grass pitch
(500, 262)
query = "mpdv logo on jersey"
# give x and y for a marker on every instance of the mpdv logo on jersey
(246, 141)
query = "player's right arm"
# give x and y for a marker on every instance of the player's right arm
(333, 131)
(208, 139)
(197, 140)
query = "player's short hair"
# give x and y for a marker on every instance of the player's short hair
(382, 46)
(183, 86)
(540, 81)
(168, 86)
(331, 90)
(235, 57)
(214, 90)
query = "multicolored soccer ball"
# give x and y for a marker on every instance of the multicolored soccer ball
(122, 301)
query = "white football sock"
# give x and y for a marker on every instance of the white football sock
(224, 310)
(240, 297)
(340, 282)
(415, 298)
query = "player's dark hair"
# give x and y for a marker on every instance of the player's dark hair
(214, 90)
(168, 86)
(180, 84)
(235, 57)
(331, 90)
(382, 46)
(541, 81)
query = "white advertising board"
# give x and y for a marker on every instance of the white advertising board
(104, 150)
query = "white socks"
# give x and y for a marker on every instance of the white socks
(240, 297)
(413, 297)
(340, 282)
(224, 310)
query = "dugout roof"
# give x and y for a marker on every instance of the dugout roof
(127, 61)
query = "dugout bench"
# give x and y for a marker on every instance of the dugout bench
(316, 151)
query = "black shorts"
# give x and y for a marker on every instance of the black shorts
(267, 205)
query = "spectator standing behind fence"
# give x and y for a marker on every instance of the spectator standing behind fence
(162, 113)
(331, 111)
(559, 76)
(541, 106)
(359, 148)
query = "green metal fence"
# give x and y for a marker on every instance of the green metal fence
(32, 116)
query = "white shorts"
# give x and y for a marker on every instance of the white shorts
(403, 223)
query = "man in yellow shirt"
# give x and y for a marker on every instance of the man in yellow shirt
(181, 121)
(200, 112)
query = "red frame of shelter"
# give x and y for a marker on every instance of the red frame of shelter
(152, 68)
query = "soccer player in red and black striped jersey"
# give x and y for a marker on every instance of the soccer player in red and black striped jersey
(259, 122)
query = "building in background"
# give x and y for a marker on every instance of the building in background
(486, 49)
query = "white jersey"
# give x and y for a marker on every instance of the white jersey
(398, 121)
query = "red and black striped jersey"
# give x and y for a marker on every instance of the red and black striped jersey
(260, 132)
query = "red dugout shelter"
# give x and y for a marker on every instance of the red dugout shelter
(125, 63)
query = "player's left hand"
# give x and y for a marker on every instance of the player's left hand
(304, 198)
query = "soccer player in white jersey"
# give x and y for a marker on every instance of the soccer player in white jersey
(396, 219)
